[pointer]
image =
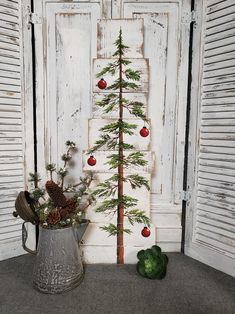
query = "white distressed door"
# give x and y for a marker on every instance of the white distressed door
(66, 44)
(166, 38)
(16, 121)
(210, 233)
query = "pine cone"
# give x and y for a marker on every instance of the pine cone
(68, 209)
(56, 194)
(71, 204)
(64, 213)
(53, 218)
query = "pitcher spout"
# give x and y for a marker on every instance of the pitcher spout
(80, 230)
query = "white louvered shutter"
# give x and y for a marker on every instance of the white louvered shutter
(11, 127)
(213, 237)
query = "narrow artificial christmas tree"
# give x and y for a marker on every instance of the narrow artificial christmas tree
(124, 156)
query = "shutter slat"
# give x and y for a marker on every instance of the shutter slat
(219, 94)
(229, 41)
(230, 55)
(218, 80)
(216, 213)
(4, 101)
(217, 163)
(219, 72)
(10, 4)
(222, 12)
(220, 198)
(10, 26)
(218, 108)
(211, 233)
(10, 67)
(217, 115)
(219, 87)
(215, 244)
(10, 53)
(211, 23)
(9, 12)
(216, 190)
(219, 136)
(219, 29)
(14, 232)
(10, 81)
(219, 6)
(8, 47)
(216, 156)
(222, 185)
(215, 204)
(219, 65)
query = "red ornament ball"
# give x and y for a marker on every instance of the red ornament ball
(144, 132)
(145, 232)
(102, 84)
(91, 160)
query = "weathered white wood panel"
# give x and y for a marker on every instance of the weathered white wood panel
(132, 31)
(139, 142)
(139, 64)
(211, 209)
(101, 166)
(97, 111)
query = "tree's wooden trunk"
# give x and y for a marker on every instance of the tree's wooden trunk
(120, 214)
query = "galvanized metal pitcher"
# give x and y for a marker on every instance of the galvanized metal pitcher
(58, 267)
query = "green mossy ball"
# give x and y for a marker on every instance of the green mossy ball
(152, 263)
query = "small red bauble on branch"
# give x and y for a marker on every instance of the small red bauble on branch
(145, 232)
(144, 132)
(91, 160)
(102, 84)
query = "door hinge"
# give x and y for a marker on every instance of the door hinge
(185, 196)
(189, 17)
(35, 18)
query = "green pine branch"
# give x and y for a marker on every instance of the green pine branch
(121, 48)
(109, 102)
(136, 215)
(122, 84)
(133, 159)
(119, 126)
(107, 188)
(113, 230)
(132, 75)
(110, 68)
(137, 181)
(37, 193)
(136, 159)
(105, 140)
(110, 205)
(35, 178)
(136, 109)
(51, 168)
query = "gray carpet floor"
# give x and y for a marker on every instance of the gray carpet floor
(189, 287)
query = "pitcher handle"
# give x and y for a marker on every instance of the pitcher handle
(24, 239)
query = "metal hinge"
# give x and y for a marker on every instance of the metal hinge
(185, 196)
(189, 17)
(35, 18)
